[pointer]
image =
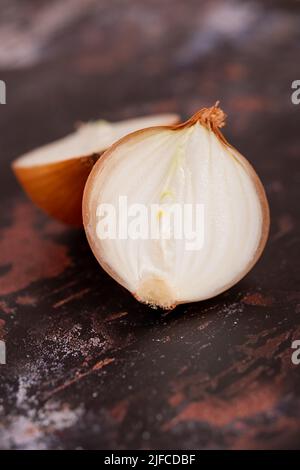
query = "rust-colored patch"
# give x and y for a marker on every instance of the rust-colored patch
(68, 299)
(26, 300)
(286, 225)
(99, 365)
(257, 299)
(220, 413)
(119, 411)
(282, 430)
(5, 308)
(116, 316)
(176, 399)
(250, 103)
(235, 71)
(29, 253)
(54, 227)
(267, 349)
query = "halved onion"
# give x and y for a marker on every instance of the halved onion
(54, 175)
(190, 164)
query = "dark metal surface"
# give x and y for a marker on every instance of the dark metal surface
(88, 366)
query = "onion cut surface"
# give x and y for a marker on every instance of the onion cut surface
(188, 164)
(54, 175)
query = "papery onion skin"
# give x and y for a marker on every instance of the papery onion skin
(57, 186)
(155, 291)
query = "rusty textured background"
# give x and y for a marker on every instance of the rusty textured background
(87, 366)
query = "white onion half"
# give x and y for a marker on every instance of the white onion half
(55, 174)
(187, 164)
